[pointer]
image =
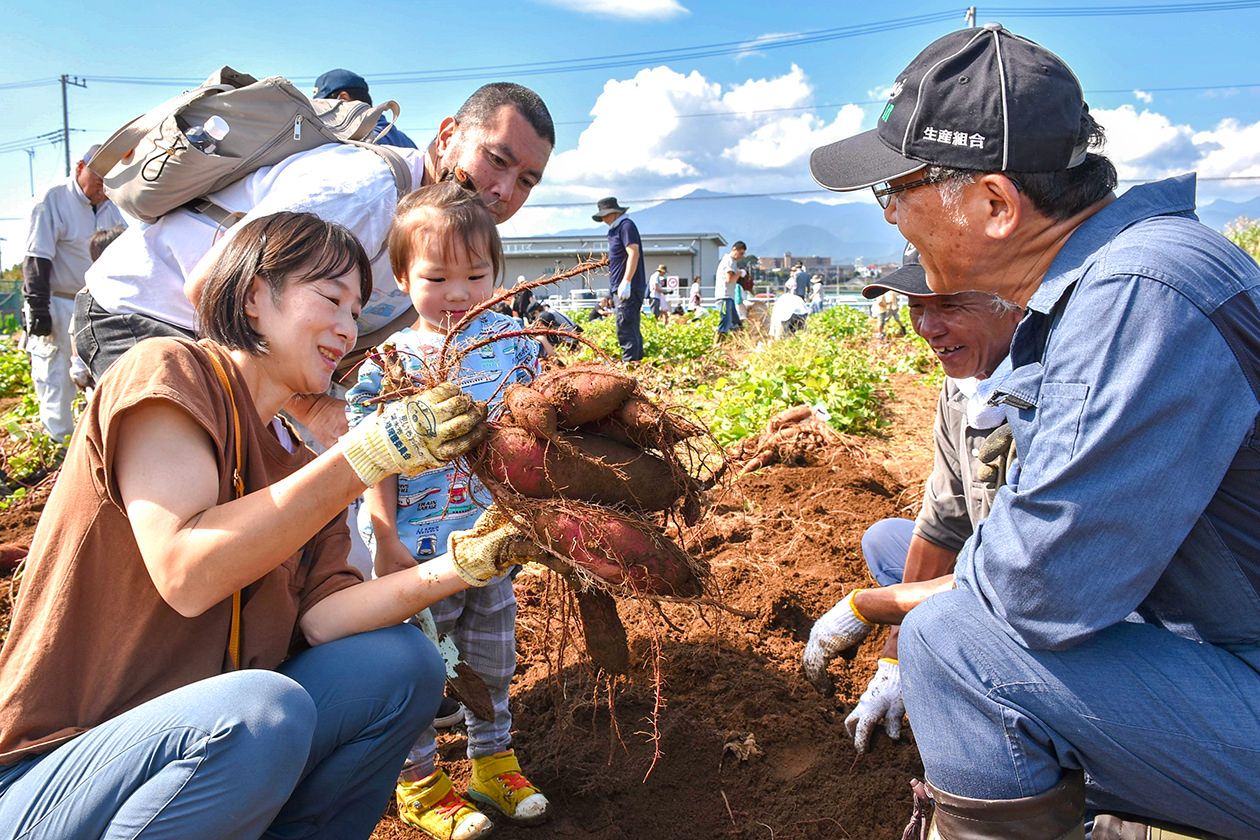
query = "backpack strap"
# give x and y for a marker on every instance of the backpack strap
(397, 166)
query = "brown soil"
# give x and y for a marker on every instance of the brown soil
(740, 746)
(727, 739)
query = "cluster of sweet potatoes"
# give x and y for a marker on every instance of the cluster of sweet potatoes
(589, 465)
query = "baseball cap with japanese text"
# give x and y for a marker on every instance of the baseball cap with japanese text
(982, 99)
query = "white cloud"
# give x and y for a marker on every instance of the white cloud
(752, 48)
(624, 9)
(663, 133)
(1146, 145)
(1143, 97)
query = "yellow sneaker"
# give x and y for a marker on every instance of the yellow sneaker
(497, 781)
(433, 807)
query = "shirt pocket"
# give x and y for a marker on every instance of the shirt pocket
(1048, 417)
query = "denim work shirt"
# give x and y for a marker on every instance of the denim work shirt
(1134, 406)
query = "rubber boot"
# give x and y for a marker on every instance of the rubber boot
(1055, 814)
(1117, 827)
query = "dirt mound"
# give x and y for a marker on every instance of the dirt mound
(735, 742)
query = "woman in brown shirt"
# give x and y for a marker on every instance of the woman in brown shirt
(122, 709)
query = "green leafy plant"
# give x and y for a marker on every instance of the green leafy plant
(1245, 233)
(15, 369)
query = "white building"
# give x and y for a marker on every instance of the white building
(684, 255)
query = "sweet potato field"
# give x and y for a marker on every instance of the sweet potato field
(699, 724)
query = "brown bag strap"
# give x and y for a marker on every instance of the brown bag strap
(234, 634)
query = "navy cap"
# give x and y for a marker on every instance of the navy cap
(910, 279)
(980, 98)
(335, 80)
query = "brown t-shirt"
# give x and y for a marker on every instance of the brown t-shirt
(91, 637)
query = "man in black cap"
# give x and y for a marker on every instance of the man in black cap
(626, 277)
(1104, 621)
(970, 332)
(351, 87)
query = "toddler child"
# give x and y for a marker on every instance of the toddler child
(446, 254)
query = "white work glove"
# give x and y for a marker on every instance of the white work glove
(838, 633)
(880, 702)
(414, 434)
(490, 548)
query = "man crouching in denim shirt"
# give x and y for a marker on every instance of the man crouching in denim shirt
(1099, 648)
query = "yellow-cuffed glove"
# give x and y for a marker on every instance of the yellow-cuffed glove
(415, 433)
(839, 632)
(490, 548)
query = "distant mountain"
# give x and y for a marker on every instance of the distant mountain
(1219, 213)
(844, 232)
(772, 226)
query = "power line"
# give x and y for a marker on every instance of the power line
(571, 65)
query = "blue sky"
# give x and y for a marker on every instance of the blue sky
(659, 97)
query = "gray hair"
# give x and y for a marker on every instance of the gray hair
(1002, 306)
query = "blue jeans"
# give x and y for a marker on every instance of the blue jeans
(885, 546)
(629, 334)
(1162, 726)
(729, 318)
(311, 750)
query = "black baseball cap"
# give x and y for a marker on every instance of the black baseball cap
(980, 98)
(910, 279)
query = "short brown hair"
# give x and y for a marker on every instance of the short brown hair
(446, 212)
(281, 248)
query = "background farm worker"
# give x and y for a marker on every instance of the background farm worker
(62, 223)
(447, 256)
(815, 295)
(627, 283)
(604, 308)
(1142, 331)
(128, 703)
(542, 315)
(800, 277)
(501, 137)
(658, 285)
(351, 87)
(788, 314)
(970, 333)
(888, 308)
(724, 281)
(694, 298)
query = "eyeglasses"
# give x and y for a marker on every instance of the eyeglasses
(884, 191)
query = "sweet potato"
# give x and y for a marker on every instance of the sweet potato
(582, 467)
(584, 393)
(11, 554)
(530, 410)
(640, 422)
(617, 550)
(605, 634)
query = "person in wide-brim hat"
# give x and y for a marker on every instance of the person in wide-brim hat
(606, 206)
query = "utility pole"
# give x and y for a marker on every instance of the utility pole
(970, 17)
(30, 165)
(65, 114)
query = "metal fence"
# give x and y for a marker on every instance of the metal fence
(10, 299)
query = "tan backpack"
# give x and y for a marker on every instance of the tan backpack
(150, 168)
